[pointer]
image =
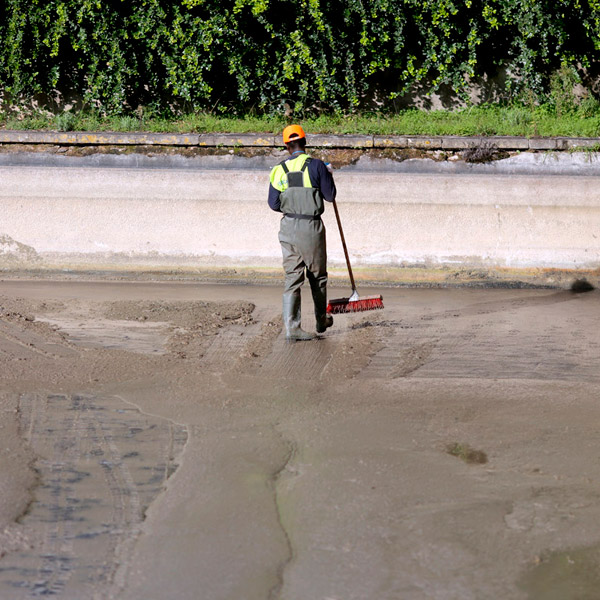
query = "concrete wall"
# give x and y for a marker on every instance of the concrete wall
(133, 217)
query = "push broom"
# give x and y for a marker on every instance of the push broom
(354, 303)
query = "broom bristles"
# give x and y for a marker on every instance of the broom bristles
(345, 305)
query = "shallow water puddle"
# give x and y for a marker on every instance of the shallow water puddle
(101, 464)
(570, 575)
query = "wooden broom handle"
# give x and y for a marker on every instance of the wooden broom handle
(339, 222)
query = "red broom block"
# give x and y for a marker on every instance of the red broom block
(347, 305)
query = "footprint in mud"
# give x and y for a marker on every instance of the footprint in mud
(101, 463)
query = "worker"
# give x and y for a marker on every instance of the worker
(298, 186)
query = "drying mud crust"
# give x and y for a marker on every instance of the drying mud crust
(162, 440)
(338, 157)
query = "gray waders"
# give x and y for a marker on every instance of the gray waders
(303, 247)
(302, 238)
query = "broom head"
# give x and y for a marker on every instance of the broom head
(348, 305)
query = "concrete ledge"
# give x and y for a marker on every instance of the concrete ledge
(98, 139)
(502, 143)
(390, 141)
(340, 141)
(270, 140)
(237, 139)
(544, 144)
(571, 143)
(424, 143)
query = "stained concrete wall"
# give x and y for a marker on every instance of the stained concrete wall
(134, 213)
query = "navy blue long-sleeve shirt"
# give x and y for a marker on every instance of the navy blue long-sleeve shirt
(320, 177)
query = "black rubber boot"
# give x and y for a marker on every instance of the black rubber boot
(324, 323)
(291, 320)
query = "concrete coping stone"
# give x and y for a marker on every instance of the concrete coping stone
(237, 139)
(269, 140)
(500, 142)
(340, 141)
(572, 143)
(544, 144)
(97, 138)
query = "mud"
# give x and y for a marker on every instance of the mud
(566, 575)
(338, 157)
(163, 440)
(100, 464)
(146, 150)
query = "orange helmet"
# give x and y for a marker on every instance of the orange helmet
(292, 132)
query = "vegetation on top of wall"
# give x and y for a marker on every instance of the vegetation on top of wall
(293, 57)
(580, 121)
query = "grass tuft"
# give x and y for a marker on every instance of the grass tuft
(484, 152)
(467, 454)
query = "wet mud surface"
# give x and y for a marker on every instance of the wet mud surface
(162, 439)
(100, 464)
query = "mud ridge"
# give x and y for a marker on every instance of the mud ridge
(124, 552)
(503, 306)
(275, 481)
(260, 346)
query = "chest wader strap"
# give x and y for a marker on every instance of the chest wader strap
(295, 178)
